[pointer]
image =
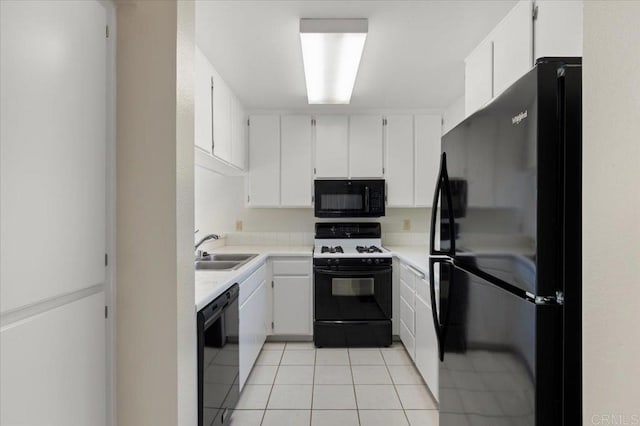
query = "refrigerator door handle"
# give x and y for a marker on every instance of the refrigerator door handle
(440, 327)
(443, 182)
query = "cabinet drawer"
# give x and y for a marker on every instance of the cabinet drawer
(249, 285)
(407, 293)
(408, 340)
(291, 267)
(423, 291)
(407, 315)
(406, 275)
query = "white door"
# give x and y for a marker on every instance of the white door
(428, 130)
(513, 46)
(478, 77)
(365, 146)
(399, 170)
(296, 169)
(264, 161)
(331, 146)
(53, 126)
(292, 305)
(202, 98)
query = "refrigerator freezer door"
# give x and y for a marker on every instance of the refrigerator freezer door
(501, 354)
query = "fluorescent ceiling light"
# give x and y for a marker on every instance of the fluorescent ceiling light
(331, 52)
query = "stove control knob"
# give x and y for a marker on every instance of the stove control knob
(369, 261)
(377, 260)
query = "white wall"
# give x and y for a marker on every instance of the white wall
(611, 201)
(219, 203)
(156, 361)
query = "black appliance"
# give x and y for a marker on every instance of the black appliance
(507, 307)
(349, 198)
(352, 286)
(218, 359)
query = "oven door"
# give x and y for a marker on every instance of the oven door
(352, 294)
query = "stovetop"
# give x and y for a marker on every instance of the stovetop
(343, 249)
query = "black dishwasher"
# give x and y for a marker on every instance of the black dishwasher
(218, 359)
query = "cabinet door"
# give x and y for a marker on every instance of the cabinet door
(221, 118)
(478, 77)
(252, 330)
(331, 146)
(264, 161)
(558, 29)
(292, 305)
(238, 134)
(426, 346)
(428, 129)
(399, 170)
(513, 46)
(365, 146)
(296, 173)
(202, 108)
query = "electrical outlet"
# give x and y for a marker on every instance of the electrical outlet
(238, 225)
(406, 225)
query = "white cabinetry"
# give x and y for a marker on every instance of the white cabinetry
(558, 28)
(252, 321)
(428, 130)
(219, 120)
(292, 301)
(238, 134)
(407, 310)
(426, 344)
(365, 146)
(331, 149)
(399, 170)
(202, 98)
(478, 77)
(513, 46)
(296, 171)
(264, 161)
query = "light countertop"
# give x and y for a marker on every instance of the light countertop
(211, 284)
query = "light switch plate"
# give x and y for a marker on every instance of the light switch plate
(406, 225)
(238, 225)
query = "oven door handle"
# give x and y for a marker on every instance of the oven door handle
(355, 273)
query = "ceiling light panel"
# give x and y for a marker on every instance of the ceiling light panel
(331, 53)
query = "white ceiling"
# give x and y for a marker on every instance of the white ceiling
(413, 56)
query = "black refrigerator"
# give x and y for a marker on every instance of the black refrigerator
(505, 256)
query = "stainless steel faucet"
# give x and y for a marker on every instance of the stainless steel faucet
(204, 240)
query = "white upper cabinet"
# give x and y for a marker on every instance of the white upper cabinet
(331, 147)
(365, 146)
(296, 170)
(428, 129)
(399, 171)
(513, 46)
(202, 98)
(238, 134)
(221, 118)
(264, 161)
(558, 28)
(478, 77)
(220, 122)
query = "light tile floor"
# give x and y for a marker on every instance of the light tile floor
(296, 384)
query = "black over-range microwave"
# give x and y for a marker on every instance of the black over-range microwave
(349, 198)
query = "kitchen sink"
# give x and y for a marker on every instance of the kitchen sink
(223, 262)
(233, 257)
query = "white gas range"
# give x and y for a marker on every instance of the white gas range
(352, 286)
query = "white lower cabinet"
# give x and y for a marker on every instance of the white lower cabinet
(426, 345)
(292, 297)
(252, 323)
(417, 331)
